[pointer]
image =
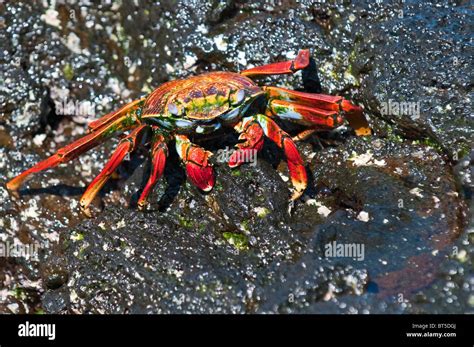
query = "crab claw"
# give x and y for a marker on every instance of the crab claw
(296, 167)
(356, 119)
(253, 134)
(285, 67)
(201, 177)
(195, 158)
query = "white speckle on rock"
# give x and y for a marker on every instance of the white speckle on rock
(290, 55)
(330, 293)
(128, 252)
(189, 61)
(118, 88)
(322, 210)
(221, 44)
(201, 28)
(23, 117)
(73, 296)
(131, 71)
(418, 154)
(398, 171)
(138, 276)
(13, 307)
(462, 256)
(169, 68)
(39, 139)
(52, 236)
(363, 216)
(366, 159)
(471, 300)
(283, 177)
(241, 59)
(51, 17)
(177, 273)
(31, 211)
(73, 42)
(3, 195)
(73, 204)
(3, 294)
(120, 224)
(311, 202)
(417, 192)
(14, 224)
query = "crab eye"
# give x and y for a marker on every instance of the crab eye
(173, 109)
(239, 97)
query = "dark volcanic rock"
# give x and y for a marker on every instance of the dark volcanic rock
(401, 193)
(413, 62)
(238, 250)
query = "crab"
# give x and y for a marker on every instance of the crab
(203, 104)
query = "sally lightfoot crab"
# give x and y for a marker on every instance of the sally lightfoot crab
(201, 105)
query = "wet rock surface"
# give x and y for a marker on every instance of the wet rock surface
(403, 194)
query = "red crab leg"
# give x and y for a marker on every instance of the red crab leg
(252, 133)
(281, 68)
(295, 163)
(303, 114)
(353, 113)
(326, 102)
(128, 109)
(73, 150)
(159, 152)
(126, 145)
(304, 134)
(195, 158)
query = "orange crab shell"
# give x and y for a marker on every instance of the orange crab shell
(201, 97)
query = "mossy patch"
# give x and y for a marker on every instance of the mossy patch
(262, 212)
(77, 236)
(68, 72)
(429, 142)
(185, 222)
(245, 225)
(239, 241)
